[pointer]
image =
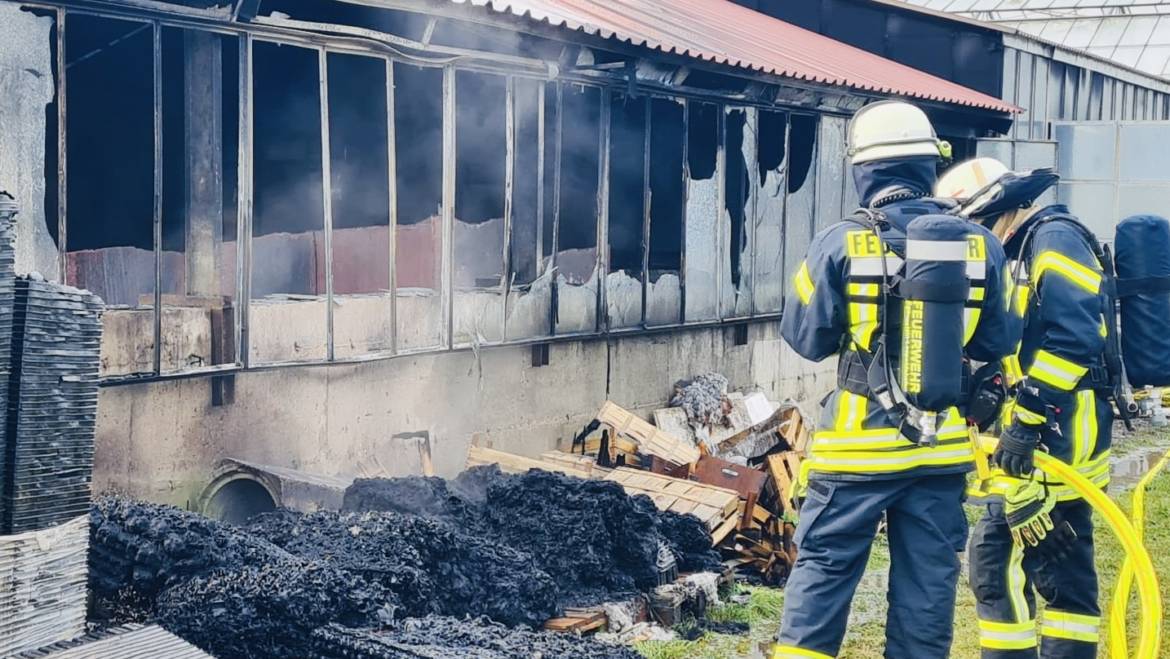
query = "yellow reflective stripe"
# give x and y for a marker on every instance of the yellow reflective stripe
(793, 652)
(863, 462)
(1103, 330)
(1023, 292)
(1056, 371)
(1009, 286)
(970, 322)
(882, 440)
(1016, 583)
(1058, 616)
(1084, 426)
(1071, 626)
(1076, 273)
(851, 410)
(863, 322)
(1012, 369)
(863, 289)
(1029, 417)
(1007, 635)
(804, 284)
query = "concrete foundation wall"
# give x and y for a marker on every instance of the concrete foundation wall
(161, 440)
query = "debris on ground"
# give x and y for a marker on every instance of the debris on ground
(436, 637)
(431, 566)
(138, 549)
(427, 567)
(750, 507)
(271, 610)
(596, 541)
(704, 399)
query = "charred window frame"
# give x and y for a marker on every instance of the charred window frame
(546, 225)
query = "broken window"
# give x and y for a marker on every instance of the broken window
(801, 217)
(418, 155)
(576, 228)
(481, 160)
(552, 167)
(110, 170)
(702, 212)
(627, 196)
(359, 174)
(200, 115)
(664, 286)
(771, 166)
(288, 313)
(741, 178)
(529, 289)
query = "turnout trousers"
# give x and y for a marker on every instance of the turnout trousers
(1006, 578)
(926, 529)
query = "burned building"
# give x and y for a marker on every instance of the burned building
(326, 230)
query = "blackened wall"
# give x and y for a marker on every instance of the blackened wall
(955, 51)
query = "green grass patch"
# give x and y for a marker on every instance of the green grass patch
(761, 612)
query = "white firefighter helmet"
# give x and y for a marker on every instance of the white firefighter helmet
(892, 129)
(969, 179)
(986, 188)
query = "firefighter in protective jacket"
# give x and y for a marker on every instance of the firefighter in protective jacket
(1036, 533)
(867, 459)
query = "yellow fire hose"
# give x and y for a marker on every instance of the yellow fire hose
(1142, 568)
(1118, 639)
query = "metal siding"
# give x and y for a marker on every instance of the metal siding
(1027, 96)
(726, 33)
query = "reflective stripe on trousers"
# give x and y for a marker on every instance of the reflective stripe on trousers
(1005, 581)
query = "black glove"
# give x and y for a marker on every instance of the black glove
(1059, 543)
(1016, 447)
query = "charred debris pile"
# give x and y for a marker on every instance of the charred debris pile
(412, 567)
(727, 458)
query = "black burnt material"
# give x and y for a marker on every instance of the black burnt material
(474, 561)
(137, 550)
(437, 637)
(432, 566)
(597, 542)
(270, 610)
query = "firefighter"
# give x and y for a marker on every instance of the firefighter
(1037, 534)
(868, 458)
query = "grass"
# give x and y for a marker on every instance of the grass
(866, 641)
(761, 612)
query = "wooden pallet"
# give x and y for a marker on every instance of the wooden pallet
(517, 464)
(584, 463)
(578, 620)
(794, 429)
(650, 440)
(784, 469)
(712, 505)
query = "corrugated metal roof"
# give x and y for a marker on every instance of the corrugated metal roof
(723, 32)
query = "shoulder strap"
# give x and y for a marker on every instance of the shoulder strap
(1095, 245)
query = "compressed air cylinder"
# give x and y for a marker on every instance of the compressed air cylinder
(1143, 268)
(934, 290)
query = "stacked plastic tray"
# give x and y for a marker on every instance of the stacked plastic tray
(54, 352)
(8, 209)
